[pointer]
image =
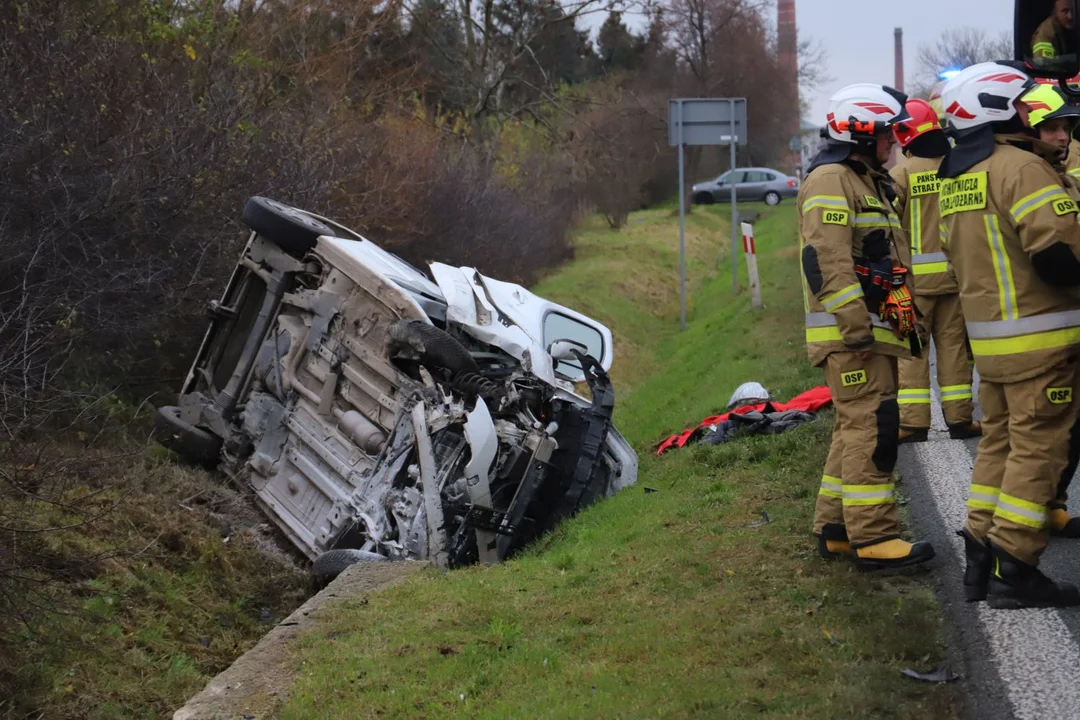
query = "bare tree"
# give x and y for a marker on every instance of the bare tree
(500, 64)
(959, 48)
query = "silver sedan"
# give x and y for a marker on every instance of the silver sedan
(751, 184)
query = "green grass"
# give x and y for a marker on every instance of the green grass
(164, 604)
(666, 603)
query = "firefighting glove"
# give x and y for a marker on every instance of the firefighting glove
(898, 310)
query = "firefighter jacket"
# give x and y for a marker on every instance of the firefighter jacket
(1070, 181)
(1046, 40)
(1072, 185)
(1012, 237)
(844, 213)
(1072, 160)
(917, 182)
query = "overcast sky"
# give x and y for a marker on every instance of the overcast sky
(858, 36)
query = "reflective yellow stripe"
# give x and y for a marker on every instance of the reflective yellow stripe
(916, 226)
(1075, 172)
(839, 299)
(1026, 343)
(802, 274)
(1002, 269)
(913, 396)
(1020, 511)
(835, 202)
(832, 334)
(955, 392)
(831, 487)
(1044, 49)
(863, 495)
(1036, 200)
(983, 497)
(943, 233)
(930, 268)
(876, 220)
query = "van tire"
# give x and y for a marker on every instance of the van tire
(332, 563)
(290, 229)
(194, 444)
(432, 345)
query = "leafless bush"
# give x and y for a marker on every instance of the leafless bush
(131, 135)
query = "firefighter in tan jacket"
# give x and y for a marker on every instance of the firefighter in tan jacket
(1048, 41)
(1012, 236)
(1072, 159)
(936, 293)
(1055, 120)
(860, 318)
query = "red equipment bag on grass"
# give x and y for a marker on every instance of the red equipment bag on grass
(809, 401)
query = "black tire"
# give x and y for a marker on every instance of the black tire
(193, 443)
(290, 229)
(432, 345)
(332, 563)
(704, 198)
(772, 198)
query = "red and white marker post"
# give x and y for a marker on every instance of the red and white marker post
(750, 252)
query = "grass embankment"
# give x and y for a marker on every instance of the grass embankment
(667, 603)
(149, 601)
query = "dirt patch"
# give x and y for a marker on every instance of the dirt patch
(260, 680)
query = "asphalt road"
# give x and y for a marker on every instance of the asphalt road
(1022, 664)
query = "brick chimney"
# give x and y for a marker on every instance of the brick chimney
(788, 46)
(898, 35)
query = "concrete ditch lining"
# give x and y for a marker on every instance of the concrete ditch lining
(259, 681)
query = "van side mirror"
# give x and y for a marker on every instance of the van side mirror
(562, 350)
(1046, 37)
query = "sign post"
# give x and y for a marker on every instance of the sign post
(750, 251)
(704, 121)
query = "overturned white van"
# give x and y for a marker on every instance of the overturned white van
(377, 413)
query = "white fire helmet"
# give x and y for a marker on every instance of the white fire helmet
(750, 393)
(983, 94)
(859, 112)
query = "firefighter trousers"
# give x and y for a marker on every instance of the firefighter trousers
(857, 489)
(1061, 497)
(1024, 450)
(942, 320)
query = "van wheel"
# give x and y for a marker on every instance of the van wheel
(290, 229)
(332, 563)
(193, 443)
(432, 346)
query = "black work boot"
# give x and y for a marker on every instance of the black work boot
(977, 570)
(1063, 524)
(965, 430)
(1015, 584)
(833, 543)
(912, 435)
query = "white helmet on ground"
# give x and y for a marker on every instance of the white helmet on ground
(983, 94)
(749, 393)
(859, 112)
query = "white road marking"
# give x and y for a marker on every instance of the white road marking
(1035, 654)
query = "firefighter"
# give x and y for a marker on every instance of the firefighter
(1072, 158)
(860, 319)
(1048, 41)
(936, 293)
(1055, 119)
(1010, 232)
